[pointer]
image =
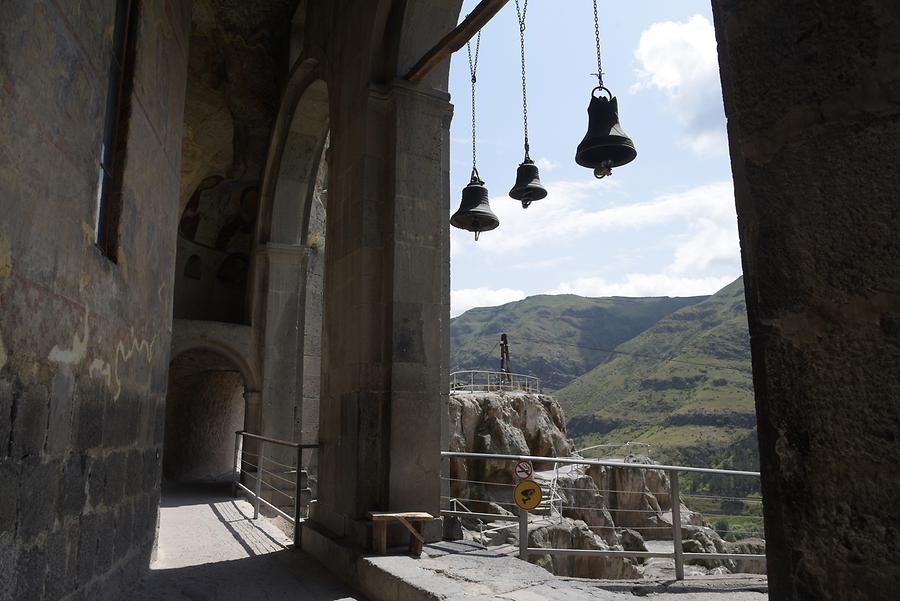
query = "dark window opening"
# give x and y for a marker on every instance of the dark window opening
(115, 129)
(193, 269)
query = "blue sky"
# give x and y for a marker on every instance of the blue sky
(664, 224)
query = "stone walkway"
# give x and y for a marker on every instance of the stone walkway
(462, 571)
(210, 549)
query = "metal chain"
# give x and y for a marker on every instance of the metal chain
(599, 73)
(473, 68)
(521, 15)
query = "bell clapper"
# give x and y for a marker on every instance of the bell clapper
(603, 170)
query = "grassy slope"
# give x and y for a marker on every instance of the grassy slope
(544, 331)
(688, 391)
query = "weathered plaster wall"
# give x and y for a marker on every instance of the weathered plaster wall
(812, 95)
(84, 349)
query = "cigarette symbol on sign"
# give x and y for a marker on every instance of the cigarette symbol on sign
(524, 470)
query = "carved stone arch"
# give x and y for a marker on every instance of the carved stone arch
(232, 342)
(298, 139)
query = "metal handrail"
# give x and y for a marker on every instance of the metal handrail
(617, 445)
(284, 443)
(479, 380)
(607, 463)
(672, 470)
(260, 472)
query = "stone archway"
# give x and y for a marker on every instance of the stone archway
(205, 406)
(289, 261)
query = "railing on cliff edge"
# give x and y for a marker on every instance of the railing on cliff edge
(673, 471)
(475, 380)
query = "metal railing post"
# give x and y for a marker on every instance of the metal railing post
(259, 464)
(523, 535)
(676, 526)
(297, 492)
(234, 473)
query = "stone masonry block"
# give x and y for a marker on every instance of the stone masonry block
(105, 549)
(150, 469)
(62, 555)
(124, 527)
(60, 420)
(30, 574)
(96, 475)
(114, 486)
(9, 494)
(9, 556)
(133, 475)
(88, 541)
(88, 420)
(72, 493)
(37, 497)
(29, 428)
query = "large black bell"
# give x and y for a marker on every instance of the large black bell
(605, 145)
(528, 187)
(475, 214)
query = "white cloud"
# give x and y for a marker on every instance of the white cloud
(562, 217)
(546, 164)
(680, 59)
(709, 244)
(643, 284)
(468, 298)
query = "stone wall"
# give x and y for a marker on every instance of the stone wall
(83, 341)
(812, 96)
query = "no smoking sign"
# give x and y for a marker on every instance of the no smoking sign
(524, 470)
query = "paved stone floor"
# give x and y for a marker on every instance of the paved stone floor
(462, 571)
(210, 549)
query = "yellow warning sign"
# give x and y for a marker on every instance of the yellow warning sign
(527, 495)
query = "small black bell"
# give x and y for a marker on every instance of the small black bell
(605, 145)
(528, 187)
(475, 214)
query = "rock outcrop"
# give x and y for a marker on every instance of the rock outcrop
(706, 540)
(602, 507)
(566, 533)
(510, 423)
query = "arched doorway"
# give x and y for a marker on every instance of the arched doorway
(204, 407)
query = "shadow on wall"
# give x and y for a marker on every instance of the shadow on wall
(204, 407)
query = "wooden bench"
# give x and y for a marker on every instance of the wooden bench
(411, 520)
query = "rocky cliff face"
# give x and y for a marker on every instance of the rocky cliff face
(511, 423)
(597, 507)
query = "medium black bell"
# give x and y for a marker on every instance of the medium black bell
(475, 214)
(605, 145)
(528, 187)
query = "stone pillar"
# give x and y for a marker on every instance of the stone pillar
(283, 338)
(386, 311)
(812, 95)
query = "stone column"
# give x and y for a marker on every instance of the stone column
(386, 312)
(812, 95)
(282, 349)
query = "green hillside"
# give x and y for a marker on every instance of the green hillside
(684, 386)
(554, 337)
